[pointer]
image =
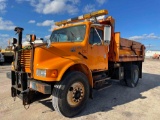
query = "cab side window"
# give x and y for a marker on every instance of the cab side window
(94, 38)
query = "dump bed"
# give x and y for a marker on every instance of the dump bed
(123, 50)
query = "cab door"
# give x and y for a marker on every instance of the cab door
(97, 52)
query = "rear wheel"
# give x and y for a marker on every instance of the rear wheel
(132, 76)
(71, 94)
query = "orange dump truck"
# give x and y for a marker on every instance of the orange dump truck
(82, 54)
(156, 56)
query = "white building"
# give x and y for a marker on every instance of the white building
(150, 53)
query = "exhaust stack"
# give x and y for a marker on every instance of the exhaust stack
(18, 31)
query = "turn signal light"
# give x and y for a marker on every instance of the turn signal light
(52, 73)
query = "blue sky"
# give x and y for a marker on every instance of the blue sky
(136, 19)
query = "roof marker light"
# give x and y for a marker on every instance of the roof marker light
(82, 17)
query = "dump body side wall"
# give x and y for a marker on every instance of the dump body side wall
(124, 50)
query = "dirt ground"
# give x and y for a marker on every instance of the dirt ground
(114, 103)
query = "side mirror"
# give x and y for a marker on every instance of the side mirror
(48, 43)
(107, 35)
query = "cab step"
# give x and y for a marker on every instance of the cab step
(104, 86)
(103, 79)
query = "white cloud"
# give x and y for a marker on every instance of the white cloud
(4, 40)
(47, 36)
(71, 9)
(52, 27)
(92, 7)
(46, 23)
(31, 21)
(4, 35)
(20, 1)
(75, 1)
(145, 36)
(3, 6)
(6, 25)
(54, 6)
(101, 2)
(89, 8)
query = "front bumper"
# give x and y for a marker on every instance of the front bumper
(40, 86)
(24, 88)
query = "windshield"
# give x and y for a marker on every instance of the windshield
(70, 34)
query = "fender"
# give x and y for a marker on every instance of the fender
(62, 64)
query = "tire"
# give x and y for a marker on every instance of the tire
(123, 82)
(132, 76)
(71, 94)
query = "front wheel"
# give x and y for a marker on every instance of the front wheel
(71, 94)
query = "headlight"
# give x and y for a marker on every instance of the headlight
(47, 73)
(41, 72)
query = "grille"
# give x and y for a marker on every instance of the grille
(25, 60)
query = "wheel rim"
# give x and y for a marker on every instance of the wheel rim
(75, 94)
(135, 76)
